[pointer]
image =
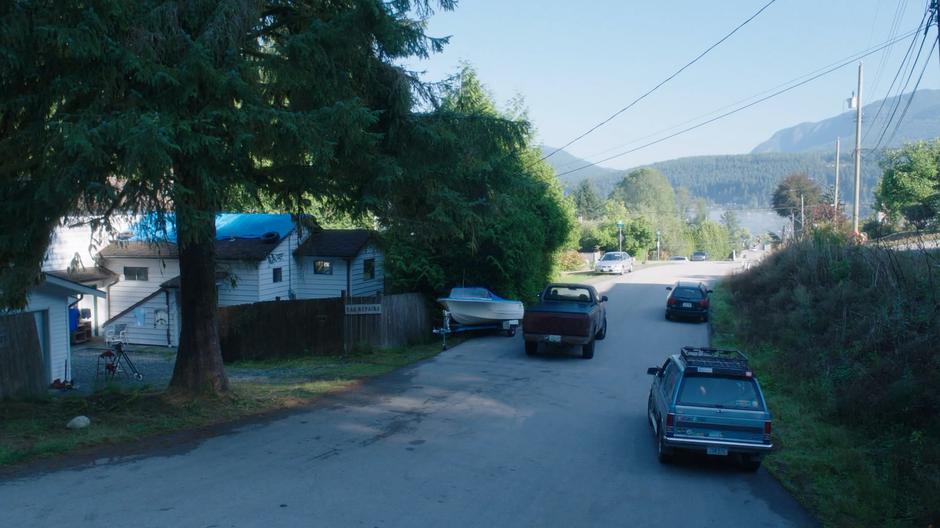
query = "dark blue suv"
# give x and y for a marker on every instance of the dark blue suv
(707, 400)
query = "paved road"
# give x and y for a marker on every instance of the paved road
(479, 436)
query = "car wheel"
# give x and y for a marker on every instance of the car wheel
(587, 350)
(531, 348)
(603, 333)
(750, 463)
(705, 318)
(663, 452)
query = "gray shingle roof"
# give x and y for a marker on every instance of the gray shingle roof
(253, 249)
(345, 243)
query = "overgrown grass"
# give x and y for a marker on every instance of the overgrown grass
(843, 340)
(36, 428)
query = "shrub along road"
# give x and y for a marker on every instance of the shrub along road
(481, 435)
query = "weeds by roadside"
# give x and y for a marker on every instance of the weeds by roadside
(36, 428)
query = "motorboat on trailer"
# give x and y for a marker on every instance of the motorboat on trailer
(479, 306)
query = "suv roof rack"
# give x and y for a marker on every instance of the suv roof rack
(705, 360)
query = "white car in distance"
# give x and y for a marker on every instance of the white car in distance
(615, 262)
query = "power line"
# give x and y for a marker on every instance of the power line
(664, 81)
(913, 94)
(726, 114)
(851, 58)
(897, 103)
(883, 61)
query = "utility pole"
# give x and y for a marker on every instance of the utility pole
(835, 195)
(858, 149)
(802, 217)
(620, 235)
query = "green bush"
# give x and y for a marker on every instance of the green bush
(571, 261)
(854, 331)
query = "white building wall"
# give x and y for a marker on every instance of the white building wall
(125, 293)
(280, 257)
(361, 287)
(79, 241)
(57, 337)
(141, 323)
(245, 276)
(313, 286)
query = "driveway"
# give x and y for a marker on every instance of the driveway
(481, 435)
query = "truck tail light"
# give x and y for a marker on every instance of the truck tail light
(768, 428)
(670, 424)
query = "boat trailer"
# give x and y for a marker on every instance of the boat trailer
(508, 327)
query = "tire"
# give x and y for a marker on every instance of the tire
(531, 348)
(603, 333)
(750, 463)
(705, 318)
(663, 453)
(587, 350)
(511, 332)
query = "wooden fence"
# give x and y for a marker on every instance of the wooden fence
(22, 372)
(283, 329)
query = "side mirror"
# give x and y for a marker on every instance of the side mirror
(668, 288)
(603, 298)
(653, 371)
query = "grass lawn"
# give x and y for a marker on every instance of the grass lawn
(36, 428)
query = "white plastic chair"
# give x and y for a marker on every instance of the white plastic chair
(115, 334)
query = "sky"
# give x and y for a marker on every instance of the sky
(576, 63)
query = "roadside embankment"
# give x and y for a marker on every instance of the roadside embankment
(844, 340)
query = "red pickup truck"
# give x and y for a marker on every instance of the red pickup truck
(572, 314)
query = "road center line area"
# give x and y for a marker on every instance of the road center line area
(481, 435)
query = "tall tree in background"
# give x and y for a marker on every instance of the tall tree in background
(473, 203)
(787, 195)
(910, 187)
(588, 204)
(646, 191)
(110, 106)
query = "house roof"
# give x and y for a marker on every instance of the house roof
(335, 243)
(71, 287)
(95, 274)
(229, 249)
(175, 281)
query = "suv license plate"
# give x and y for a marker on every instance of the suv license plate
(553, 339)
(686, 305)
(720, 451)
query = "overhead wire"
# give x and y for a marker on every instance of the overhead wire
(661, 83)
(883, 61)
(910, 99)
(744, 107)
(850, 58)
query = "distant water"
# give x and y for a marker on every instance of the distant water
(757, 221)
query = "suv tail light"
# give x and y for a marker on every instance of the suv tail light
(703, 303)
(768, 428)
(671, 423)
(671, 301)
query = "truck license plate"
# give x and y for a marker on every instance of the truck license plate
(553, 339)
(720, 451)
(686, 305)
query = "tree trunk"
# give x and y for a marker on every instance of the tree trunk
(199, 366)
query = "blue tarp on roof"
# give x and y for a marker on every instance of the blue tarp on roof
(227, 225)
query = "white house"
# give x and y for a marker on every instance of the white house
(49, 304)
(260, 257)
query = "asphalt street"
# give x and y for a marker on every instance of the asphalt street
(481, 435)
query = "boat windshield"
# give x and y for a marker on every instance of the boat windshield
(470, 293)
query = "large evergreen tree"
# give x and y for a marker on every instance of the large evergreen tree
(176, 107)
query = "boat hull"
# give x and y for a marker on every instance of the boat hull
(480, 312)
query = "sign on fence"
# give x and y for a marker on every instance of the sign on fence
(363, 309)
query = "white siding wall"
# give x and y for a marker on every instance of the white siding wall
(245, 290)
(360, 286)
(57, 338)
(68, 241)
(313, 286)
(282, 256)
(125, 293)
(147, 333)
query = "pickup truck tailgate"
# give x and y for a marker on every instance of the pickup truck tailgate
(550, 322)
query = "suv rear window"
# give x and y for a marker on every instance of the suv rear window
(713, 391)
(688, 293)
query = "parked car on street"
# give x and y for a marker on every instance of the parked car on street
(615, 262)
(699, 256)
(571, 314)
(688, 299)
(708, 401)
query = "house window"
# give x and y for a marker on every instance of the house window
(368, 269)
(322, 267)
(277, 275)
(135, 274)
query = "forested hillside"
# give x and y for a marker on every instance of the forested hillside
(745, 180)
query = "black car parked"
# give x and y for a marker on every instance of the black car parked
(687, 299)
